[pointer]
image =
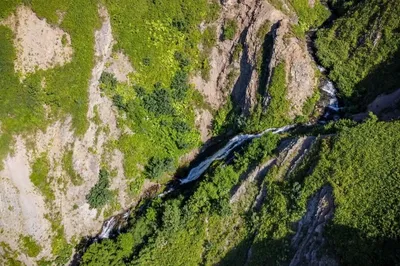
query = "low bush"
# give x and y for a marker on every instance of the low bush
(100, 195)
(157, 166)
(229, 30)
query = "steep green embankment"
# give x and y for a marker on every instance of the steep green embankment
(360, 164)
(361, 50)
(161, 39)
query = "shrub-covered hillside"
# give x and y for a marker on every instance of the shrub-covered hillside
(360, 164)
(361, 50)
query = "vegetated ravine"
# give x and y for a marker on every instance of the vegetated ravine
(329, 100)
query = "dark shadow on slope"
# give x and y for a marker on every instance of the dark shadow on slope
(248, 66)
(347, 245)
(384, 78)
(352, 247)
(267, 49)
(246, 69)
(268, 252)
(237, 256)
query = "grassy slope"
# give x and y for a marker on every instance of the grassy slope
(361, 48)
(21, 108)
(160, 38)
(188, 230)
(360, 163)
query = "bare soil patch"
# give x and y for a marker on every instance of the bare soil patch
(39, 45)
(120, 66)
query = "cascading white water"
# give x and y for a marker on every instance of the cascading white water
(197, 171)
(331, 91)
(108, 226)
(111, 223)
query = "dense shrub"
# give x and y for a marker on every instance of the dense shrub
(179, 85)
(159, 102)
(29, 246)
(229, 30)
(118, 101)
(157, 166)
(361, 49)
(108, 81)
(100, 195)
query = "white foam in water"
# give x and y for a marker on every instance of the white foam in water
(197, 171)
(107, 228)
(321, 69)
(329, 88)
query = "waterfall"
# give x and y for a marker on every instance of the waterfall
(197, 171)
(108, 226)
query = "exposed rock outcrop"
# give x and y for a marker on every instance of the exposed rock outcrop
(25, 210)
(249, 15)
(234, 62)
(385, 106)
(308, 240)
(300, 71)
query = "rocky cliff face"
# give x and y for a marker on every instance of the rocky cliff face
(235, 64)
(308, 241)
(24, 210)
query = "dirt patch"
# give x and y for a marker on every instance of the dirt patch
(203, 122)
(120, 66)
(38, 44)
(22, 208)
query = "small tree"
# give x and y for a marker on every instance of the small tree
(108, 81)
(100, 195)
(157, 166)
(229, 30)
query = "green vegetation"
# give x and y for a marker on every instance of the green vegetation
(156, 167)
(182, 222)
(362, 167)
(29, 246)
(342, 6)
(161, 40)
(22, 103)
(309, 17)
(203, 227)
(227, 120)
(278, 106)
(40, 177)
(209, 38)
(309, 108)
(60, 248)
(155, 32)
(213, 11)
(217, 219)
(361, 49)
(9, 256)
(162, 119)
(229, 30)
(75, 178)
(100, 194)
